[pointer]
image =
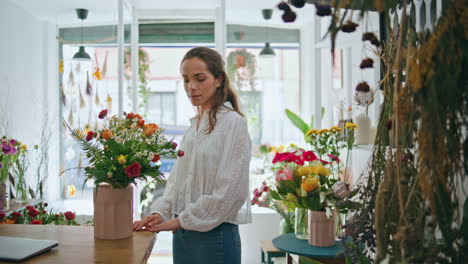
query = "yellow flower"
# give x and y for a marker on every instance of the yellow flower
(350, 125)
(280, 149)
(312, 131)
(23, 147)
(323, 131)
(122, 160)
(306, 170)
(335, 129)
(61, 66)
(71, 190)
(309, 183)
(293, 145)
(322, 171)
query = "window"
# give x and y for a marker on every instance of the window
(161, 108)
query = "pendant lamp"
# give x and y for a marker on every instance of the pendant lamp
(81, 55)
(267, 51)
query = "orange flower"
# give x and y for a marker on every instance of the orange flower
(71, 190)
(10, 221)
(138, 116)
(141, 122)
(130, 115)
(149, 129)
(107, 134)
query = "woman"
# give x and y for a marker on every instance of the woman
(207, 193)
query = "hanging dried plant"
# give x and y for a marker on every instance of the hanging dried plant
(82, 101)
(88, 85)
(298, 3)
(349, 27)
(322, 9)
(63, 96)
(71, 78)
(104, 66)
(109, 102)
(366, 63)
(70, 117)
(289, 17)
(369, 36)
(97, 101)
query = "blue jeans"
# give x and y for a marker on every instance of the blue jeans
(221, 245)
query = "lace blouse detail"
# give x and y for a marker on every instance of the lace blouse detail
(209, 185)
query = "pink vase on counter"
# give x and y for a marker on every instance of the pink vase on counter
(113, 212)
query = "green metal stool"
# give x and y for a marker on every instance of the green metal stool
(269, 251)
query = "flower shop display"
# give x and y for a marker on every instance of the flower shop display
(39, 215)
(125, 150)
(311, 181)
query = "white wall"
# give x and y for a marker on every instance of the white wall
(29, 82)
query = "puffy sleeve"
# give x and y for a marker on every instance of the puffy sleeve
(231, 189)
(163, 204)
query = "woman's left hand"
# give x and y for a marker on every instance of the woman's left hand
(170, 225)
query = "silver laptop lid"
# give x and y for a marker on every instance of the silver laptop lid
(18, 249)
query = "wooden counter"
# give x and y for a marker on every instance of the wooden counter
(78, 245)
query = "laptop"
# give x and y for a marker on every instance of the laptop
(17, 249)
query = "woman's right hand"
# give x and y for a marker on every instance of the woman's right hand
(147, 222)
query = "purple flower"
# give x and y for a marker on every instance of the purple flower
(12, 142)
(9, 150)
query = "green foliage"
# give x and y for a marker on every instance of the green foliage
(297, 121)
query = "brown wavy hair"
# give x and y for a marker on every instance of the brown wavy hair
(224, 93)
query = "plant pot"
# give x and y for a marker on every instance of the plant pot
(321, 229)
(301, 229)
(113, 212)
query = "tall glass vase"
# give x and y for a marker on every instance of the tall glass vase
(21, 192)
(4, 198)
(301, 223)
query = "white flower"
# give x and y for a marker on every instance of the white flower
(340, 190)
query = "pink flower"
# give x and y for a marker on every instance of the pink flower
(257, 193)
(334, 158)
(173, 145)
(309, 156)
(284, 175)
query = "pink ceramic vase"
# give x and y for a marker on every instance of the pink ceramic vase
(113, 212)
(321, 229)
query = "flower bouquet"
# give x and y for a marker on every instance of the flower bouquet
(8, 157)
(125, 150)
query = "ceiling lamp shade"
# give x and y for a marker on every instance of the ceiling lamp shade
(267, 51)
(81, 55)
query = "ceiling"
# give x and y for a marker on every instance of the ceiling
(101, 12)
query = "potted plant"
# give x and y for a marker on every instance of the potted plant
(125, 150)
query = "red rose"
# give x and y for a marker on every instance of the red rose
(102, 114)
(180, 153)
(174, 145)
(36, 222)
(16, 214)
(33, 212)
(29, 207)
(156, 158)
(2, 215)
(133, 170)
(69, 215)
(90, 135)
(46, 204)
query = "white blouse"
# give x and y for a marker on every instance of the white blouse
(209, 185)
